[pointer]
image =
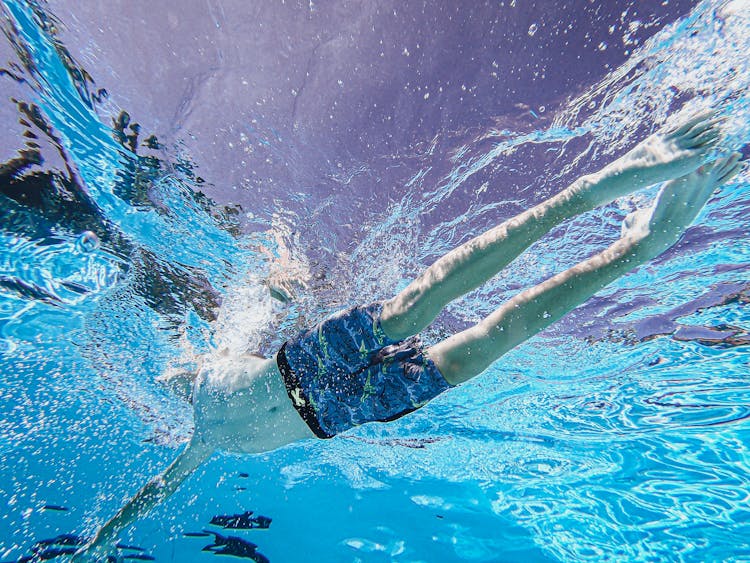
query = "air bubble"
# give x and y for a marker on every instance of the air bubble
(7, 346)
(87, 242)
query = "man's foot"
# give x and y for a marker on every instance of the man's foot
(664, 155)
(679, 203)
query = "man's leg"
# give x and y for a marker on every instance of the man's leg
(664, 155)
(646, 234)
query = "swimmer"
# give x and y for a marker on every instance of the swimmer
(368, 363)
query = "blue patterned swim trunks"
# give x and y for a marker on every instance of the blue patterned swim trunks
(345, 371)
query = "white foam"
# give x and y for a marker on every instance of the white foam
(739, 8)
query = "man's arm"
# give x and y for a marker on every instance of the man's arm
(155, 491)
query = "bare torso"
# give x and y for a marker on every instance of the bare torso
(241, 405)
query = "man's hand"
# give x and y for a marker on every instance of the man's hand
(287, 275)
(96, 552)
(285, 285)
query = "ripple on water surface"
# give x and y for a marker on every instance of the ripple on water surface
(621, 434)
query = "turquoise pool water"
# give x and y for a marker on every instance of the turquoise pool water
(620, 434)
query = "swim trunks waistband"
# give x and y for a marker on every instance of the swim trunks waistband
(300, 401)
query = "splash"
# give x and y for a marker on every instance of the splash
(119, 276)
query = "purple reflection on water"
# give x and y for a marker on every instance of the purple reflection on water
(274, 99)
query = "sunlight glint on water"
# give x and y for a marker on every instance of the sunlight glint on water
(619, 434)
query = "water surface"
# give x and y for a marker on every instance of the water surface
(155, 157)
